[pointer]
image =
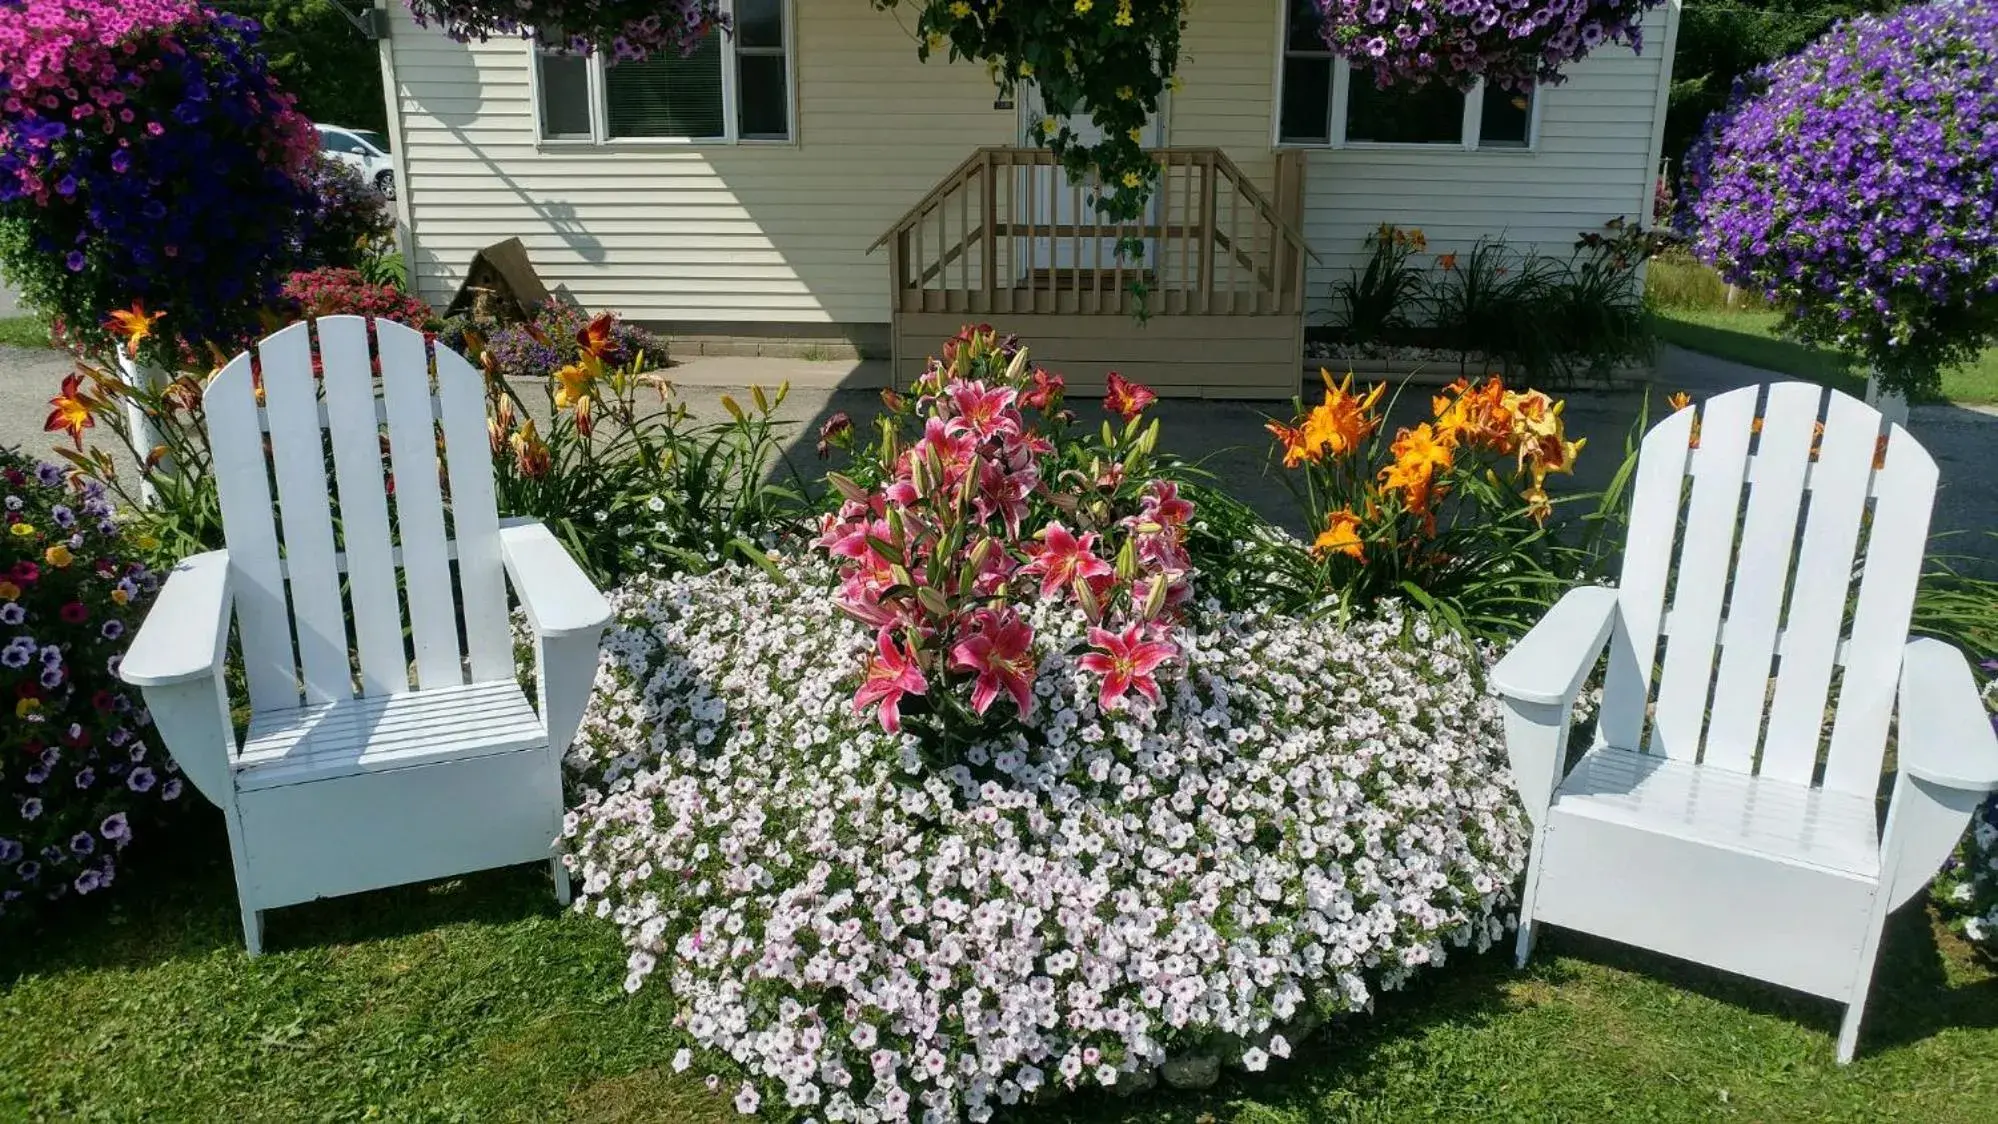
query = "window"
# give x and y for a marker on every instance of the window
(1324, 101)
(338, 142)
(730, 89)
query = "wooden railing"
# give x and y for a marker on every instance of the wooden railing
(1008, 232)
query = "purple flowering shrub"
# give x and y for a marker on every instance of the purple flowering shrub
(1513, 43)
(624, 29)
(351, 223)
(547, 342)
(80, 774)
(146, 154)
(1856, 186)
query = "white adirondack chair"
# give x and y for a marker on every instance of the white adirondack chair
(1737, 834)
(346, 783)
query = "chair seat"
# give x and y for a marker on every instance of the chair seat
(379, 733)
(1763, 816)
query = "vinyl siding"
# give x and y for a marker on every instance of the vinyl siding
(689, 233)
(780, 233)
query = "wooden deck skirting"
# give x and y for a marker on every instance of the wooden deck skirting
(1213, 306)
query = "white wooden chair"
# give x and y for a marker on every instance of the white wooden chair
(1739, 833)
(354, 774)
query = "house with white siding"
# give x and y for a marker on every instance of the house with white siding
(808, 177)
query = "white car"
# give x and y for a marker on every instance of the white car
(363, 150)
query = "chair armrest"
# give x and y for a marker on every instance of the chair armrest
(559, 598)
(1945, 733)
(185, 635)
(1550, 663)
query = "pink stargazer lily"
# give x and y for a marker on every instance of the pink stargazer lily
(891, 674)
(1125, 660)
(1000, 650)
(1062, 557)
(983, 411)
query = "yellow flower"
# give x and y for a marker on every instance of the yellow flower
(1679, 400)
(120, 595)
(27, 707)
(1082, 6)
(1026, 70)
(1050, 126)
(59, 555)
(1124, 13)
(23, 530)
(9, 591)
(1538, 506)
(1341, 536)
(960, 9)
(1133, 179)
(146, 542)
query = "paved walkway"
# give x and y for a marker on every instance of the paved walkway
(1227, 437)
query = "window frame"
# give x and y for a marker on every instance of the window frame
(1471, 135)
(599, 98)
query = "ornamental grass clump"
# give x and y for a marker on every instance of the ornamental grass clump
(988, 511)
(1855, 185)
(1511, 43)
(80, 774)
(146, 154)
(1306, 816)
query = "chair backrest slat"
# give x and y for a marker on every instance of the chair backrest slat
(1904, 495)
(354, 427)
(242, 486)
(1761, 575)
(1808, 488)
(1819, 590)
(419, 504)
(474, 518)
(1647, 566)
(1720, 465)
(298, 456)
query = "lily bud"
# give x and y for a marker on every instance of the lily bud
(732, 406)
(1155, 597)
(1084, 596)
(1127, 560)
(932, 602)
(847, 487)
(762, 401)
(1017, 367)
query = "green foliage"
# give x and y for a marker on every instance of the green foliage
(23, 331)
(321, 57)
(1389, 294)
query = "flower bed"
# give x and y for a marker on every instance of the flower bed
(1307, 815)
(78, 777)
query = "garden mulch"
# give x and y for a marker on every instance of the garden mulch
(1226, 437)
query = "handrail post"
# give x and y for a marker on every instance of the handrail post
(1207, 209)
(989, 257)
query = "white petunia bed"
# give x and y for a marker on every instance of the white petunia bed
(1311, 814)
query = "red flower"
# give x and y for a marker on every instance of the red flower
(1127, 399)
(75, 613)
(1000, 651)
(595, 338)
(1047, 391)
(26, 572)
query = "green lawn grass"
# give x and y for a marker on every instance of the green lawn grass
(1750, 337)
(23, 331)
(475, 999)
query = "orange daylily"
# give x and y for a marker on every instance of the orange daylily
(1481, 415)
(131, 324)
(595, 337)
(1341, 536)
(1446, 262)
(1679, 400)
(1418, 455)
(574, 384)
(74, 410)
(530, 453)
(1335, 427)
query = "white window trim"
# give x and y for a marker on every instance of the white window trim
(1342, 77)
(600, 137)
